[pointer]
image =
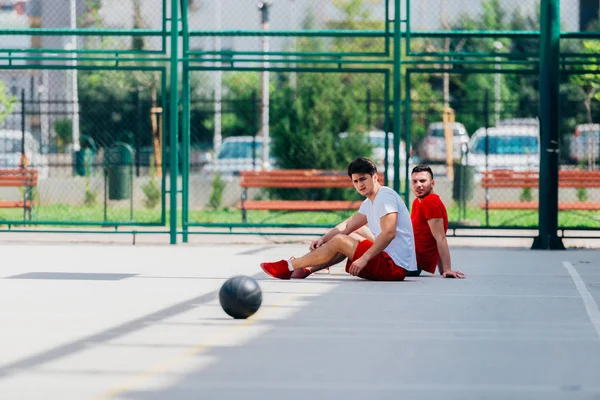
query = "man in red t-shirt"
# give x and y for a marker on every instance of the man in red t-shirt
(430, 223)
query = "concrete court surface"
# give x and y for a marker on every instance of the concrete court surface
(143, 322)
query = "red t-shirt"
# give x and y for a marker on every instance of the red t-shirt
(429, 207)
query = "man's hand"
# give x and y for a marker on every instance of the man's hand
(357, 266)
(316, 244)
(453, 274)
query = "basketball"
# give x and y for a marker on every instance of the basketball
(240, 296)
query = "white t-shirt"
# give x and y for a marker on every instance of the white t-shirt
(402, 248)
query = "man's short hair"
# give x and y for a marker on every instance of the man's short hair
(362, 165)
(422, 168)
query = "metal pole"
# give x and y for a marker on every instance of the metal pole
(487, 151)
(138, 129)
(174, 120)
(44, 114)
(497, 80)
(497, 94)
(162, 121)
(397, 99)
(386, 127)
(369, 110)
(74, 77)
(218, 138)
(549, 121)
(185, 123)
(253, 101)
(293, 24)
(23, 155)
(104, 169)
(407, 128)
(131, 180)
(263, 6)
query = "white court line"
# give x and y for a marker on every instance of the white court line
(590, 305)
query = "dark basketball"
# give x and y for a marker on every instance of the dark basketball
(240, 296)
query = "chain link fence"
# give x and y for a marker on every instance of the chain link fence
(291, 17)
(97, 135)
(493, 182)
(320, 121)
(96, 158)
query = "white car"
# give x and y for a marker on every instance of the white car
(514, 148)
(239, 153)
(377, 140)
(433, 147)
(584, 145)
(11, 146)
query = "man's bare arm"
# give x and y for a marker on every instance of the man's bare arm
(436, 225)
(388, 232)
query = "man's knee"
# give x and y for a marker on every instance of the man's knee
(344, 244)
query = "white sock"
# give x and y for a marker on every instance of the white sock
(290, 266)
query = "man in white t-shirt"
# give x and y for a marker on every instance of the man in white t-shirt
(386, 256)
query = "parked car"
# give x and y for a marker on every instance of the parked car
(239, 153)
(377, 140)
(519, 122)
(433, 147)
(514, 148)
(11, 144)
(584, 145)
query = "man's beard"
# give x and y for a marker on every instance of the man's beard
(425, 194)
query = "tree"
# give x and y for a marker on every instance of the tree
(8, 102)
(589, 83)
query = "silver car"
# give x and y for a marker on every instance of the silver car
(514, 148)
(11, 146)
(239, 153)
(433, 147)
(584, 145)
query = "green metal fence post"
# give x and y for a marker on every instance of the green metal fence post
(163, 148)
(397, 94)
(174, 121)
(407, 136)
(386, 127)
(185, 126)
(549, 123)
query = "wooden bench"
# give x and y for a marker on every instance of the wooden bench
(530, 179)
(25, 178)
(295, 179)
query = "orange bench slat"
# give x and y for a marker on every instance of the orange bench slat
(299, 205)
(533, 205)
(15, 204)
(18, 177)
(522, 179)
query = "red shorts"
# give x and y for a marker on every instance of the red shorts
(379, 268)
(429, 266)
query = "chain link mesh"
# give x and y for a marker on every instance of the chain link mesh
(510, 112)
(317, 120)
(114, 176)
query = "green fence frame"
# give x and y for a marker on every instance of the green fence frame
(394, 58)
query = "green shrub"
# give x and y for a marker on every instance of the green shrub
(64, 132)
(152, 192)
(582, 194)
(526, 195)
(216, 193)
(90, 196)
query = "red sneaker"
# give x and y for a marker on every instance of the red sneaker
(301, 273)
(277, 269)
